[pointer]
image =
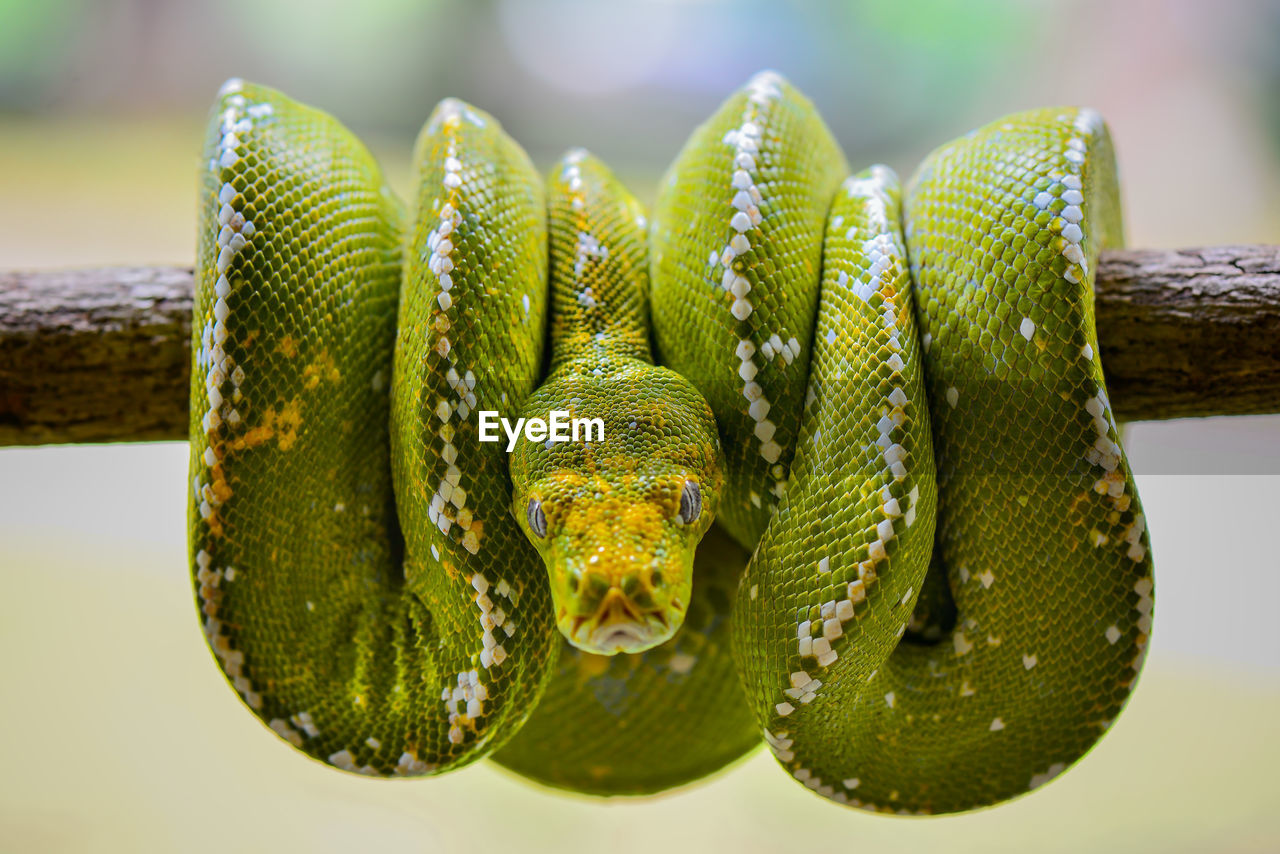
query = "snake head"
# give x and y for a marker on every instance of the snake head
(617, 520)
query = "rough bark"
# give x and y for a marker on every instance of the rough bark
(98, 355)
(102, 355)
(1191, 332)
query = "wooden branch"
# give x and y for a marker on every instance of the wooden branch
(98, 355)
(102, 355)
(1191, 332)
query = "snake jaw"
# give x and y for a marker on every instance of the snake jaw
(619, 626)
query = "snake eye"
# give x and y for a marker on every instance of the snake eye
(690, 501)
(537, 519)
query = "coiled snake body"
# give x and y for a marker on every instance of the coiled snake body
(894, 398)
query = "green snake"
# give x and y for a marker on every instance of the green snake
(930, 588)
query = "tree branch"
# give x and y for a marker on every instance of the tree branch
(102, 355)
(97, 355)
(1190, 332)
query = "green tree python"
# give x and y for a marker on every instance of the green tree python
(930, 587)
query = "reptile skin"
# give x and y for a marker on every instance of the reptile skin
(933, 586)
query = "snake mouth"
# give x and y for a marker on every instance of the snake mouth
(627, 637)
(619, 627)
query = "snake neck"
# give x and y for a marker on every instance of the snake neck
(617, 512)
(599, 266)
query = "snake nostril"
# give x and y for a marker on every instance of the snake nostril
(631, 585)
(597, 586)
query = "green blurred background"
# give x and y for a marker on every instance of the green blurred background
(116, 730)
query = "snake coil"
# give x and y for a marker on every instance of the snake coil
(931, 585)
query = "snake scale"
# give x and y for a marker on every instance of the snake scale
(930, 584)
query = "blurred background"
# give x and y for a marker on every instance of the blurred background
(117, 731)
